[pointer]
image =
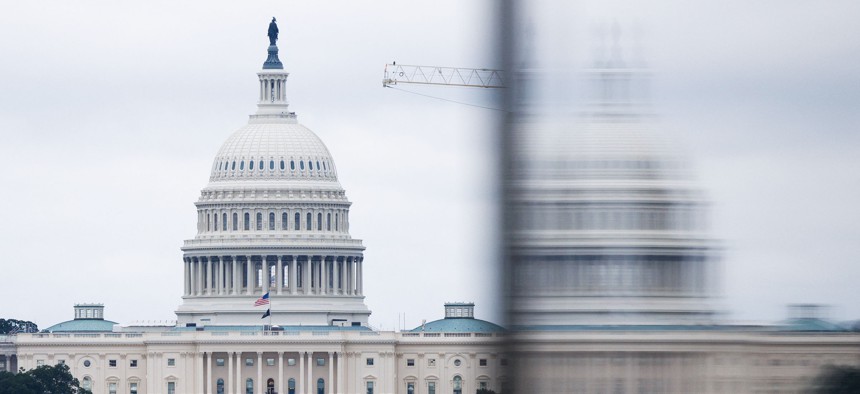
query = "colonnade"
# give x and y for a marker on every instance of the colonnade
(332, 371)
(8, 362)
(293, 274)
(272, 88)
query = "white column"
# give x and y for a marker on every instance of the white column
(310, 373)
(279, 278)
(324, 269)
(236, 276)
(336, 271)
(208, 361)
(198, 371)
(306, 275)
(185, 276)
(280, 369)
(341, 368)
(265, 273)
(293, 283)
(239, 372)
(330, 383)
(301, 382)
(261, 386)
(249, 270)
(359, 276)
(229, 382)
(222, 276)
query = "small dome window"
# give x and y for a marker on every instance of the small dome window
(302, 165)
(272, 165)
(242, 165)
(234, 164)
(310, 165)
(325, 167)
(292, 165)
(318, 165)
(282, 165)
(261, 165)
(219, 165)
(251, 165)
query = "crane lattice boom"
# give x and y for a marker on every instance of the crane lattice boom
(432, 75)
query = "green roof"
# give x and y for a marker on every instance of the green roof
(459, 324)
(83, 325)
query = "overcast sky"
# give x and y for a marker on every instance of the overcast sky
(111, 114)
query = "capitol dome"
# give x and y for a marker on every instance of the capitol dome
(273, 227)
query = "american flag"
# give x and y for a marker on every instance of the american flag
(264, 300)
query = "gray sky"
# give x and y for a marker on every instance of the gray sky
(110, 116)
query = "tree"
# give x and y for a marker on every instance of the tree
(485, 391)
(837, 380)
(12, 326)
(44, 379)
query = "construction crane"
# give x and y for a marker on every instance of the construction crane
(450, 76)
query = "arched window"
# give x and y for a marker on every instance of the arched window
(224, 221)
(301, 165)
(458, 385)
(261, 165)
(271, 220)
(249, 386)
(328, 222)
(291, 386)
(215, 217)
(336, 217)
(272, 165)
(318, 165)
(234, 165)
(87, 383)
(251, 165)
(282, 165)
(235, 221)
(259, 221)
(284, 217)
(270, 385)
(247, 222)
(208, 225)
(310, 165)
(219, 386)
(292, 165)
(242, 165)
(297, 222)
(309, 221)
(320, 386)
(319, 222)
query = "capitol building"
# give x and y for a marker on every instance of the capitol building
(611, 282)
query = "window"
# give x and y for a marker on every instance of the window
(282, 165)
(328, 222)
(249, 386)
(483, 385)
(457, 362)
(235, 221)
(219, 386)
(271, 220)
(309, 221)
(132, 388)
(410, 388)
(458, 385)
(310, 165)
(318, 165)
(234, 165)
(369, 386)
(292, 165)
(320, 386)
(335, 222)
(249, 362)
(215, 217)
(87, 383)
(482, 362)
(261, 165)
(247, 222)
(410, 362)
(171, 387)
(319, 222)
(171, 362)
(271, 164)
(259, 221)
(270, 362)
(284, 217)
(320, 362)
(291, 361)
(242, 165)
(301, 165)
(224, 221)
(219, 362)
(87, 363)
(297, 225)
(112, 363)
(431, 362)
(369, 361)
(112, 388)
(291, 386)
(431, 387)
(42, 362)
(251, 165)
(132, 363)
